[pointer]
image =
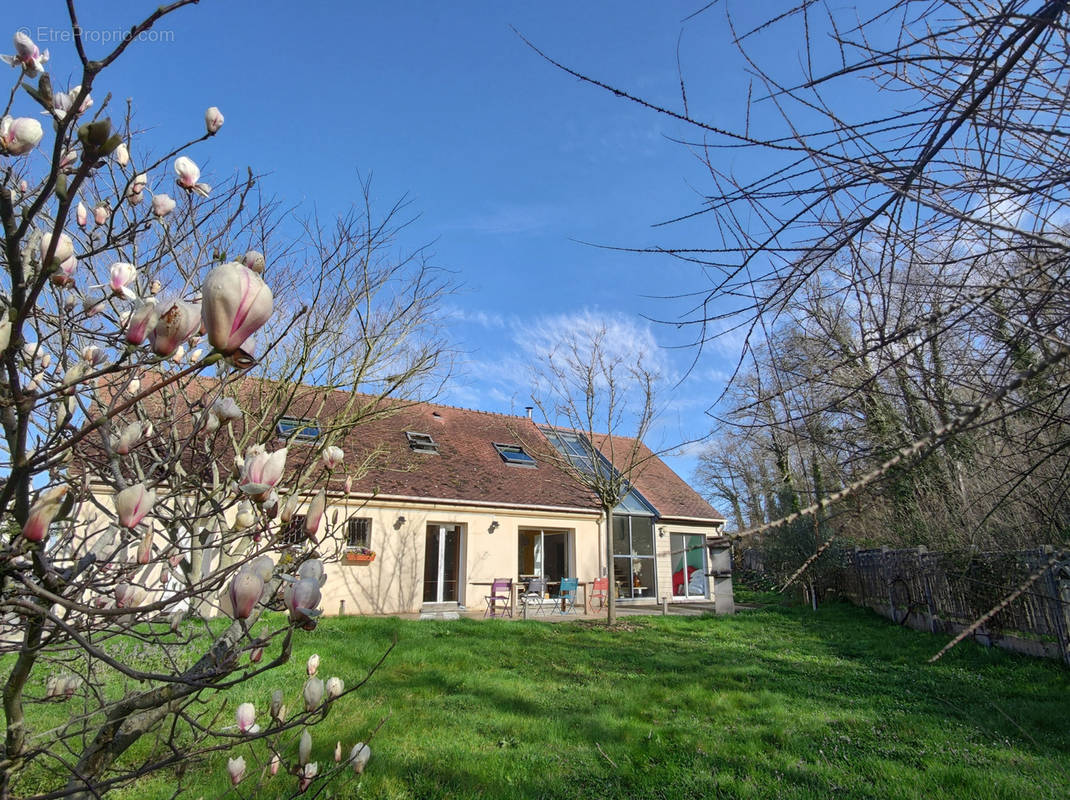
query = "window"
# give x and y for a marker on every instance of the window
(421, 442)
(359, 534)
(514, 454)
(301, 430)
(293, 535)
(633, 556)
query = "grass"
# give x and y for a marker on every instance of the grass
(774, 703)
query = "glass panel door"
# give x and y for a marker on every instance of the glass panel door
(442, 564)
(633, 560)
(688, 556)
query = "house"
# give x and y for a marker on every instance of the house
(447, 499)
(453, 498)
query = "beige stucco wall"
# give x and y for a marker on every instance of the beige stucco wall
(393, 582)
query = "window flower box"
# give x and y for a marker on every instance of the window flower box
(361, 556)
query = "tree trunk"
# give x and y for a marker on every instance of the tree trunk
(611, 586)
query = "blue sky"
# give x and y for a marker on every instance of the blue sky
(510, 163)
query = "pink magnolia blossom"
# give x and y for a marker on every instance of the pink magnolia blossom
(307, 775)
(162, 205)
(213, 120)
(27, 57)
(136, 190)
(262, 470)
(235, 304)
(81, 214)
(64, 248)
(246, 718)
(245, 590)
(64, 276)
(101, 212)
(141, 321)
(273, 768)
(332, 456)
(131, 436)
(301, 599)
(236, 770)
(348, 484)
(313, 570)
(121, 155)
(92, 355)
(120, 276)
(128, 595)
(62, 102)
(67, 162)
(313, 665)
(43, 512)
(133, 503)
(174, 326)
(18, 136)
(315, 514)
(337, 752)
(187, 173)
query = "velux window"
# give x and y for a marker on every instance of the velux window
(514, 454)
(301, 430)
(421, 442)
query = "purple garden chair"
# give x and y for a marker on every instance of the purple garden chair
(500, 599)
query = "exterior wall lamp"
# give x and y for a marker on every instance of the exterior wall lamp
(494, 525)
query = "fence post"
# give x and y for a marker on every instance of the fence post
(861, 581)
(930, 612)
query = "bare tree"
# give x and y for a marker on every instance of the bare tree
(145, 487)
(894, 249)
(599, 399)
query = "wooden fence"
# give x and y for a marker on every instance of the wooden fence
(945, 592)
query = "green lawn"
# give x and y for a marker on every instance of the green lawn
(772, 703)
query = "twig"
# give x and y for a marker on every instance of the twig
(606, 757)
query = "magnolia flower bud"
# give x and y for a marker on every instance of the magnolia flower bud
(244, 518)
(304, 748)
(81, 214)
(120, 276)
(100, 213)
(133, 503)
(277, 709)
(187, 173)
(128, 596)
(313, 693)
(246, 718)
(315, 514)
(43, 512)
(213, 120)
(359, 756)
(155, 287)
(162, 205)
(64, 276)
(273, 768)
(289, 508)
(64, 248)
(313, 664)
(18, 136)
(337, 752)
(236, 768)
(254, 260)
(121, 154)
(174, 326)
(246, 587)
(335, 687)
(255, 655)
(235, 304)
(144, 548)
(332, 456)
(135, 191)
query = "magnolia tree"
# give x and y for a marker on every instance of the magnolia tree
(146, 490)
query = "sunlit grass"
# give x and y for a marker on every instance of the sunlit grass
(773, 703)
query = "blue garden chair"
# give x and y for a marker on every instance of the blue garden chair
(567, 601)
